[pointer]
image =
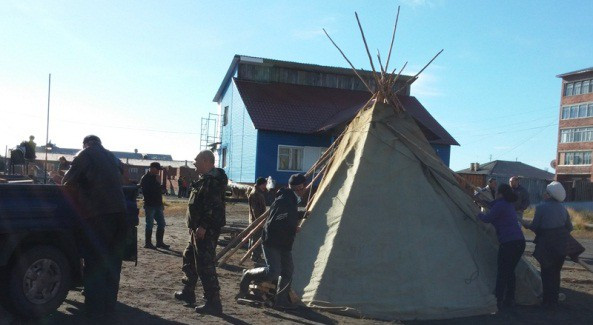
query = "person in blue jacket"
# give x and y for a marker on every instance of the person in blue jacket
(511, 241)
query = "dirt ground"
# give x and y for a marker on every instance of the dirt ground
(146, 292)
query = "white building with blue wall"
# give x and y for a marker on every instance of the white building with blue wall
(277, 117)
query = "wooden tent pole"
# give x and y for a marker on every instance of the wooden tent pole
(245, 239)
(235, 240)
(392, 39)
(351, 65)
(251, 249)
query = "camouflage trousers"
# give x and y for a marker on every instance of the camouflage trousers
(198, 261)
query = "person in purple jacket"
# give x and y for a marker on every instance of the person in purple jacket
(511, 241)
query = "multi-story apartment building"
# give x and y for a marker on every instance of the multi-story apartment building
(575, 128)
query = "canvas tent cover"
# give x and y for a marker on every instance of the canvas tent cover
(391, 235)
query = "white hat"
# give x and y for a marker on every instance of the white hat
(556, 191)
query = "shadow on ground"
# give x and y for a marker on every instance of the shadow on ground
(576, 309)
(75, 315)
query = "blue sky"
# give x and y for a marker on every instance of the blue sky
(141, 74)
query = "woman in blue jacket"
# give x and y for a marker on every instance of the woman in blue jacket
(503, 217)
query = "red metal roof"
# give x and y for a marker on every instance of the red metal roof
(309, 109)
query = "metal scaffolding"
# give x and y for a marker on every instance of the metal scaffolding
(210, 133)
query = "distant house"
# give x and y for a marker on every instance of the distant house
(532, 178)
(135, 164)
(278, 117)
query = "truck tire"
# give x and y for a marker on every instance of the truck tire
(38, 281)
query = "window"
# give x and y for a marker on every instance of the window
(586, 88)
(290, 158)
(577, 88)
(582, 110)
(577, 111)
(225, 116)
(565, 112)
(576, 135)
(573, 111)
(134, 170)
(568, 90)
(224, 157)
(576, 158)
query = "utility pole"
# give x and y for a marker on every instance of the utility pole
(47, 132)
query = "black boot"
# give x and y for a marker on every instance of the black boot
(213, 305)
(148, 239)
(282, 300)
(187, 295)
(160, 233)
(257, 274)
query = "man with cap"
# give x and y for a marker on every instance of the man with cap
(552, 226)
(487, 193)
(257, 206)
(522, 202)
(205, 218)
(96, 174)
(153, 206)
(278, 236)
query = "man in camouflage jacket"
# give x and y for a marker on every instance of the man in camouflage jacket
(205, 218)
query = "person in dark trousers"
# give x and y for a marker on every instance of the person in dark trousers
(511, 241)
(96, 173)
(181, 191)
(522, 201)
(153, 207)
(257, 206)
(552, 226)
(205, 218)
(278, 236)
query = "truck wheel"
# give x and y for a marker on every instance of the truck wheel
(38, 282)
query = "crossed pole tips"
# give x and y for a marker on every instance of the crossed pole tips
(384, 83)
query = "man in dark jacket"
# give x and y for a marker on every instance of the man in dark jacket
(278, 236)
(153, 206)
(257, 206)
(96, 173)
(522, 202)
(205, 218)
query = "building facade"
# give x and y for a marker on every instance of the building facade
(278, 117)
(575, 127)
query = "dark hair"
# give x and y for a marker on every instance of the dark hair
(260, 181)
(507, 193)
(91, 140)
(297, 179)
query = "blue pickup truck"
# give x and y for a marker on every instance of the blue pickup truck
(39, 245)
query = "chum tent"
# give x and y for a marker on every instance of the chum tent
(391, 234)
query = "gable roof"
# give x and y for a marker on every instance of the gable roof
(309, 109)
(509, 168)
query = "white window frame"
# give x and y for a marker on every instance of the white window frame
(572, 135)
(291, 149)
(582, 155)
(571, 112)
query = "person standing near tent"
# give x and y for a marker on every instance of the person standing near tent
(257, 206)
(153, 206)
(552, 226)
(278, 236)
(511, 241)
(205, 218)
(522, 202)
